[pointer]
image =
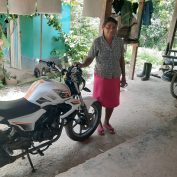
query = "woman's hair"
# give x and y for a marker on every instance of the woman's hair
(109, 19)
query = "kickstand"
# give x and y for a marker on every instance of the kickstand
(23, 157)
(29, 159)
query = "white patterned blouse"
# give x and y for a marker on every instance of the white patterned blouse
(107, 57)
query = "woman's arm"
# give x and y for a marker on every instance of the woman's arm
(122, 65)
(86, 63)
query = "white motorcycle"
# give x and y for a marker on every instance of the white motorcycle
(32, 123)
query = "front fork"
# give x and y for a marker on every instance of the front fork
(83, 106)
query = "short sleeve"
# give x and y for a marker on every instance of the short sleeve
(93, 50)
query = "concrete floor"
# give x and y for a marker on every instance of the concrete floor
(152, 154)
(147, 122)
(144, 144)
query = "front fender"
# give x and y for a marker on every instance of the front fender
(89, 101)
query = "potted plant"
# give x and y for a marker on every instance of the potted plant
(9, 78)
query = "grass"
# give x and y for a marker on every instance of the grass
(145, 55)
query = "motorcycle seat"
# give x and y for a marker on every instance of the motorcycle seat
(17, 108)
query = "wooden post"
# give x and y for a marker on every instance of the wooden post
(139, 16)
(135, 46)
(173, 27)
(133, 60)
(107, 10)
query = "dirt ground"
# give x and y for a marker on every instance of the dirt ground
(144, 107)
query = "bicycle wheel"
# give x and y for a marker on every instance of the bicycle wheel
(173, 86)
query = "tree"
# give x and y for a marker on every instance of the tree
(155, 35)
(78, 41)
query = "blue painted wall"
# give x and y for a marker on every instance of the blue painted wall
(30, 35)
(27, 32)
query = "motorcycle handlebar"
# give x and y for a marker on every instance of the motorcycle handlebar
(73, 69)
(51, 64)
(74, 72)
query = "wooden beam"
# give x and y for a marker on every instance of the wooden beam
(133, 60)
(139, 16)
(135, 46)
(107, 10)
(173, 27)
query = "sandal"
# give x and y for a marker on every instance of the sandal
(109, 128)
(100, 130)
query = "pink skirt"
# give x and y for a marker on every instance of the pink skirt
(106, 91)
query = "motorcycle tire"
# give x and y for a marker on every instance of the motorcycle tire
(74, 128)
(173, 86)
(43, 72)
(37, 72)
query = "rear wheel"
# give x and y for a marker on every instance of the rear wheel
(173, 86)
(43, 72)
(78, 129)
(37, 72)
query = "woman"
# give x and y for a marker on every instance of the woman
(109, 53)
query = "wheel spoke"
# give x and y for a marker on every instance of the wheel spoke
(80, 129)
(74, 124)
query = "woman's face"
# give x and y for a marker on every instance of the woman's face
(109, 29)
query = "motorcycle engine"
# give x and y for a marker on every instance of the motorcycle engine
(4, 132)
(12, 137)
(5, 157)
(48, 126)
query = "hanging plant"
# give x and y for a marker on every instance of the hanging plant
(82, 32)
(10, 17)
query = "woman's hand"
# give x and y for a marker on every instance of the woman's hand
(86, 63)
(78, 64)
(123, 82)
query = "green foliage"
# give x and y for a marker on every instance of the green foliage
(150, 57)
(1, 54)
(145, 55)
(128, 55)
(78, 41)
(1, 84)
(155, 35)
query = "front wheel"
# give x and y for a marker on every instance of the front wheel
(173, 86)
(78, 129)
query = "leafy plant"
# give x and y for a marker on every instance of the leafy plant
(128, 55)
(145, 55)
(8, 75)
(1, 53)
(155, 35)
(78, 41)
(150, 58)
(1, 84)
